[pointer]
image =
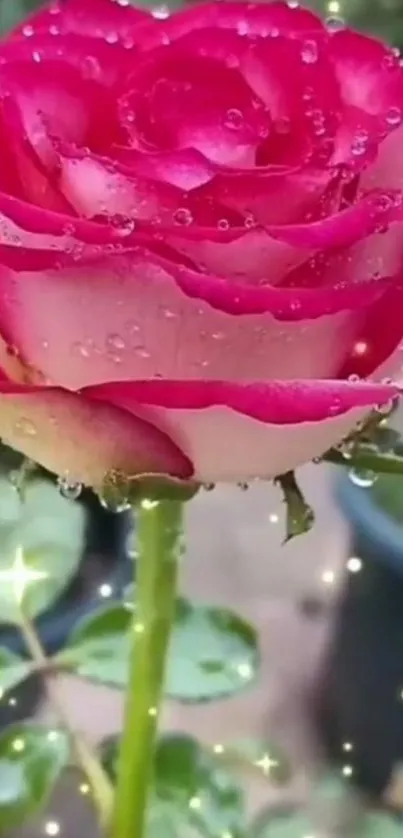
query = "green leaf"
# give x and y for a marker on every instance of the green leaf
(213, 652)
(48, 529)
(281, 822)
(376, 825)
(31, 760)
(191, 790)
(13, 670)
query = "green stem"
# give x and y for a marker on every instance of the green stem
(367, 460)
(101, 788)
(158, 528)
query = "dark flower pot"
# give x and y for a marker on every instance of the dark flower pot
(105, 562)
(361, 685)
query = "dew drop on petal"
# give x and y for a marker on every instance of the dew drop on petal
(243, 27)
(115, 342)
(70, 489)
(161, 12)
(28, 30)
(79, 348)
(223, 224)
(183, 216)
(25, 427)
(393, 116)
(335, 23)
(309, 52)
(234, 119)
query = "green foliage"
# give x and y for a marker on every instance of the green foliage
(46, 532)
(213, 652)
(289, 823)
(191, 790)
(383, 18)
(31, 761)
(13, 670)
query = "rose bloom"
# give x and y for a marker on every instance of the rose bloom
(201, 237)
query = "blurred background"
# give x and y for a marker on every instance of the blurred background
(328, 606)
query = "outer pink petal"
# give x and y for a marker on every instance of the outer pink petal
(70, 434)
(342, 229)
(369, 74)
(96, 18)
(233, 432)
(378, 345)
(141, 317)
(249, 256)
(386, 172)
(26, 227)
(260, 19)
(275, 196)
(95, 186)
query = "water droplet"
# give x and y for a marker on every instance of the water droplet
(364, 478)
(389, 60)
(36, 56)
(393, 116)
(132, 327)
(293, 4)
(223, 224)
(161, 12)
(115, 341)
(142, 352)
(250, 221)
(234, 119)
(54, 30)
(28, 30)
(111, 37)
(25, 427)
(243, 27)
(70, 489)
(335, 23)
(183, 216)
(359, 143)
(309, 52)
(82, 349)
(169, 314)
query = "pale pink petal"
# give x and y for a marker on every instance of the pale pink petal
(386, 172)
(233, 433)
(70, 434)
(140, 317)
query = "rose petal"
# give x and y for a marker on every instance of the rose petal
(237, 432)
(261, 19)
(22, 172)
(141, 316)
(96, 18)
(95, 186)
(68, 433)
(355, 223)
(368, 73)
(272, 196)
(375, 345)
(185, 168)
(25, 227)
(386, 172)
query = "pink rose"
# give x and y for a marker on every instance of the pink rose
(202, 245)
